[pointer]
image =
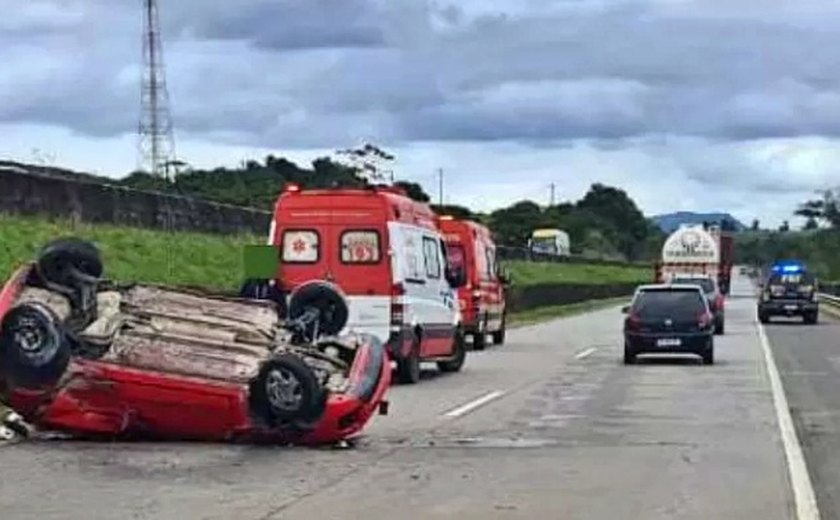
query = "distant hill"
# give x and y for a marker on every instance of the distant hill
(670, 222)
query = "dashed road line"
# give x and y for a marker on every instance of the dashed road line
(803, 489)
(474, 404)
(586, 353)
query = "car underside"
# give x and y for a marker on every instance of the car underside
(89, 357)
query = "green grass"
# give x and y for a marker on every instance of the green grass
(532, 273)
(132, 254)
(551, 312)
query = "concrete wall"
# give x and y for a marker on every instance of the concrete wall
(84, 201)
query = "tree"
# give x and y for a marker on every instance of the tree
(620, 212)
(785, 227)
(413, 190)
(513, 225)
(811, 224)
(459, 212)
(756, 225)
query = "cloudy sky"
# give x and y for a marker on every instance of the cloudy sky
(687, 104)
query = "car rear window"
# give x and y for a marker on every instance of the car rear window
(301, 246)
(360, 247)
(707, 285)
(660, 303)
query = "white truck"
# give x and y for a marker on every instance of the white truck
(553, 242)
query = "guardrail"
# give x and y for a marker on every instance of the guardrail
(829, 299)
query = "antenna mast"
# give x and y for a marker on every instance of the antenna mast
(156, 149)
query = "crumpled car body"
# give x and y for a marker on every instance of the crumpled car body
(160, 363)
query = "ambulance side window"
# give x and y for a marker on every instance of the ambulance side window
(301, 246)
(491, 263)
(431, 254)
(360, 247)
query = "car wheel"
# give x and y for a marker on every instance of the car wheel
(763, 318)
(499, 335)
(720, 328)
(69, 262)
(408, 369)
(459, 355)
(629, 354)
(34, 350)
(286, 389)
(479, 340)
(709, 354)
(811, 318)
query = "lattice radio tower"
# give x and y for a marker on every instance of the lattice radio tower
(156, 148)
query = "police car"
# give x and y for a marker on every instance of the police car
(789, 290)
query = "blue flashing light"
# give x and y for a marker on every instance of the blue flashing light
(788, 267)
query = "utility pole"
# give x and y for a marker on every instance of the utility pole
(156, 143)
(551, 203)
(440, 185)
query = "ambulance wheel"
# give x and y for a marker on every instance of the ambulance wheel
(408, 369)
(479, 340)
(459, 355)
(499, 335)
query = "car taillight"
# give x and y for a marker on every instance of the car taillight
(634, 322)
(704, 319)
(397, 307)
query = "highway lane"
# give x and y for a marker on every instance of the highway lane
(808, 358)
(551, 425)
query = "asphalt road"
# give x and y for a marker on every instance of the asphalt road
(551, 425)
(808, 358)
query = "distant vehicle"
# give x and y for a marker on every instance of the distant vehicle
(669, 319)
(470, 249)
(789, 290)
(710, 288)
(94, 358)
(385, 252)
(698, 250)
(552, 242)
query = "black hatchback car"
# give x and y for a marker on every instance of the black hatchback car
(669, 319)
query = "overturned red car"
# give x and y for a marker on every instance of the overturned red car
(93, 358)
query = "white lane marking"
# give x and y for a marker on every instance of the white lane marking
(474, 404)
(803, 489)
(586, 353)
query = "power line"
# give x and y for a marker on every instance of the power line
(440, 185)
(551, 203)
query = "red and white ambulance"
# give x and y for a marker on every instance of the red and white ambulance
(470, 249)
(385, 252)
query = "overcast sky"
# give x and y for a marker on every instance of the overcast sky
(687, 104)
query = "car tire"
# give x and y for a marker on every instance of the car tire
(286, 390)
(763, 318)
(459, 355)
(720, 328)
(34, 349)
(709, 354)
(69, 263)
(408, 369)
(811, 318)
(629, 355)
(499, 335)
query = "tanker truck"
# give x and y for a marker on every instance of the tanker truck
(697, 250)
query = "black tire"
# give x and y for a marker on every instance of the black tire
(458, 356)
(408, 369)
(479, 341)
(69, 262)
(720, 328)
(325, 297)
(629, 355)
(34, 350)
(286, 390)
(499, 335)
(709, 354)
(811, 318)
(763, 318)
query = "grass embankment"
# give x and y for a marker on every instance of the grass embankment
(215, 261)
(532, 273)
(132, 254)
(551, 312)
